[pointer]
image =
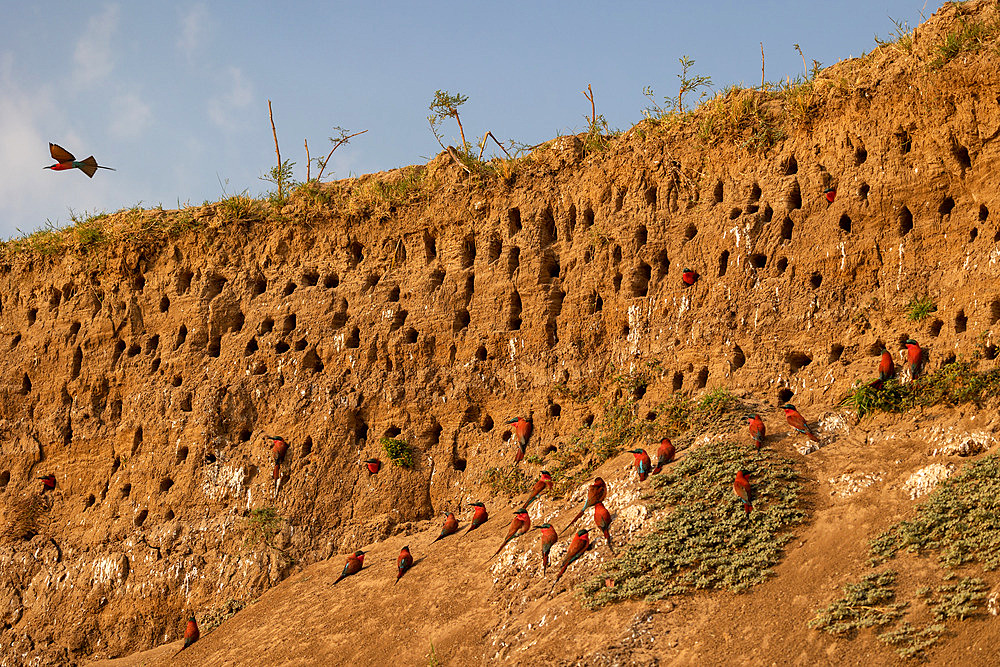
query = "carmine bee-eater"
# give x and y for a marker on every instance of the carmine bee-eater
(741, 486)
(886, 367)
(373, 465)
(579, 545)
(756, 429)
(689, 277)
(354, 564)
(549, 538)
(65, 160)
(479, 517)
(664, 454)
(278, 450)
(543, 484)
(643, 465)
(796, 421)
(522, 429)
(48, 483)
(516, 526)
(915, 356)
(602, 519)
(403, 563)
(830, 194)
(191, 633)
(449, 528)
(595, 494)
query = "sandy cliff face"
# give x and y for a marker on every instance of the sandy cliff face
(144, 375)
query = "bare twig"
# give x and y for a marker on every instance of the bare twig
(589, 94)
(454, 156)
(308, 161)
(277, 152)
(341, 141)
(805, 70)
(490, 135)
(762, 65)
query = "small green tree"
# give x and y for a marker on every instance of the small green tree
(445, 105)
(689, 84)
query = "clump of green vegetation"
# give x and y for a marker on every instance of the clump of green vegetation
(398, 451)
(707, 541)
(741, 115)
(957, 521)
(960, 601)
(240, 208)
(920, 307)
(214, 618)
(865, 604)
(261, 526)
(910, 642)
(952, 384)
(508, 480)
(971, 35)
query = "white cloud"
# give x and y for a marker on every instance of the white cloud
(93, 59)
(131, 116)
(193, 29)
(225, 109)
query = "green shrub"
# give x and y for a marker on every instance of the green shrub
(398, 451)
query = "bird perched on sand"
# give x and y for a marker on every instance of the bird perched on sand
(548, 539)
(522, 429)
(373, 465)
(741, 486)
(886, 367)
(915, 357)
(65, 160)
(756, 429)
(543, 484)
(191, 633)
(278, 450)
(796, 421)
(354, 564)
(516, 526)
(449, 528)
(579, 546)
(479, 516)
(595, 494)
(48, 483)
(689, 277)
(664, 454)
(403, 563)
(830, 194)
(643, 465)
(602, 519)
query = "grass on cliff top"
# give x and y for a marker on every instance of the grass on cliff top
(958, 525)
(952, 384)
(707, 541)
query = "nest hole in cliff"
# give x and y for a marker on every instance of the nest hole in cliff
(973, 234)
(184, 281)
(15, 340)
(290, 287)
(300, 345)
(677, 382)
(398, 320)
(640, 237)
(177, 380)
(140, 518)
(904, 141)
(182, 333)
(984, 213)
(266, 326)
(617, 282)
(481, 353)
(152, 343)
(950, 359)
(845, 223)
(548, 268)
(493, 248)
(307, 446)
(514, 311)
(758, 260)
(409, 336)
(487, 424)
(311, 361)
(5, 480)
(650, 196)
(554, 410)
(995, 311)
(505, 436)
(119, 348)
(331, 281)
(186, 403)
(863, 192)
(598, 303)
(723, 263)
(905, 221)
(355, 253)
(702, 379)
(164, 303)
(739, 359)
(781, 265)
(126, 490)
(990, 352)
(436, 279)
(249, 350)
(789, 166)
(513, 221)
(640, 280)
(946, 206)
(793, 198)
(353, 341)
(513, 260)
(90, 501)
(25, 385)
(588, 218)
(860, 155)
(785, 394)
(786, 229)
(32, 316)
(182, 454)
(371, 280)
(74, 328)
(134, 349)
(936, 326)
(468, 253)
(165, 484)
(288, 324)
(836, 352)
(258, 286)
(816, 279)
(961, 322)
(620, 198)
(461, 321)
(961, 155)
(169, 515)
(717, 193)
(735, 213)
(213, 286)
(260, 368)
(214, 346)
(210, 458)
(797, 360)
(588, 421)
(459, 464)
(690, 232)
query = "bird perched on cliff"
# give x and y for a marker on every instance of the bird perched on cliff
(664, 454)
(886, 367)
(278, 450)
(579, 546)
(449, 528)
(48, 483)
(403, 563)
(602, 519)
(373, 465)
(548, 539)
(191, 633)
(830, 194)
(522, 429)
(479, 516)
(741, 486)
(756, 429)
(65, 160)
(796, 421)
(355, 562)
(517, 527)
(595, 494)
(643, 465)
(543, 484)
(689, 277)
(915, 357)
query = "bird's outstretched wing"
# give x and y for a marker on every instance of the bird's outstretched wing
(60, 154)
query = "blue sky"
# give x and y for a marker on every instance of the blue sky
(174, 95)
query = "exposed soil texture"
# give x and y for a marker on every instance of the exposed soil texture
(145, 375)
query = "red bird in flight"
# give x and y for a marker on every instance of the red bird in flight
(65, 160)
